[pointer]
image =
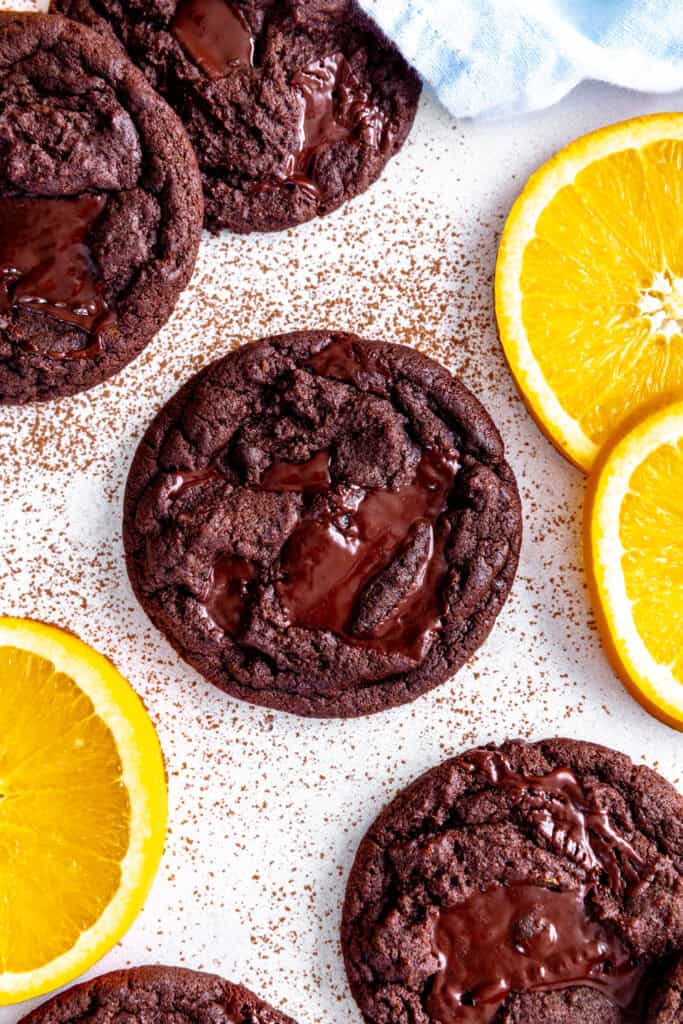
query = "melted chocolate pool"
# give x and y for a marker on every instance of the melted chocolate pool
(346, 361)
(46, 264)
(522, 938)
(229, 592)
(333, 565)
(299, 477)
(214, 35)
(370, 568)
(334, 107)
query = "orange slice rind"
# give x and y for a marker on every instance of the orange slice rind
(82, 807)
(634, 555)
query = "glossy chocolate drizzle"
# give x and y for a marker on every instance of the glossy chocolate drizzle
(214, 35)
(46, 264)
(334, 107)
(521, 938)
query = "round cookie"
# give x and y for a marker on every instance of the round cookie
(525, 884)
(156, 995)
(323, 524)
(293, 106)
(100, 208)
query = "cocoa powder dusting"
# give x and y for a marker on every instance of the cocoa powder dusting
(266, 810)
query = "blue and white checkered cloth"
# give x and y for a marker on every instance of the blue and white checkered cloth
(500, 56)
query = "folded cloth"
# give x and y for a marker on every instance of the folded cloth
(500, 56)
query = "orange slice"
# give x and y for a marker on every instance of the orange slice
(589, 282)
(634, 549)
(82, 807)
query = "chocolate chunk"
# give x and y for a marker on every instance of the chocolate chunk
(404, 575)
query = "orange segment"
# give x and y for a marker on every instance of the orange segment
(589, 282)
(652, 537)
(663, 163)
(635, 558)
(82, 807)
(616, 189)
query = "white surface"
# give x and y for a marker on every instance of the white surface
(266, 809)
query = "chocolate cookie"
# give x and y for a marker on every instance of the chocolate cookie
(156, 995)
(293, 106)
(100, 208)
(323, 524)
(527, 884)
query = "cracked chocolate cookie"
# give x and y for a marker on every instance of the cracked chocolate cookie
(527, 884)
(156, 995)
(100, 208)
(323, 524)
(293, 106)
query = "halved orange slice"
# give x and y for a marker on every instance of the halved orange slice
(589, 282)
(82, 807)
(634, 555)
